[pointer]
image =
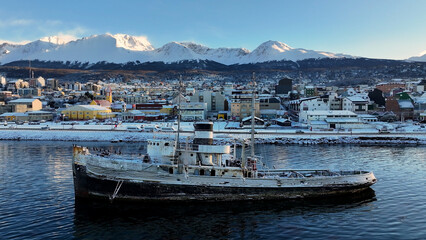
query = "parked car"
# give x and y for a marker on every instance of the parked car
(167, 129)
(299, 131)
(133, 129)
(45, 128)
(33, 123)
(154, 128)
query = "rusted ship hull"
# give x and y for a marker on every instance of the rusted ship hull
(88, 186)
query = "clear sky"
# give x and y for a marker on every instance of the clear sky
(368, 28)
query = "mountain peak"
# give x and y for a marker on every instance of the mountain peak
(277, 46)
(58, 40)
(419, 58)
(134, 43)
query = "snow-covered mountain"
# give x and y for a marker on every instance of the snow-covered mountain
(62, 39)
(122, 48)
(421, 58)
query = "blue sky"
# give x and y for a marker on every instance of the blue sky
(373, 28)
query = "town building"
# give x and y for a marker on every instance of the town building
(284, 86)
(195, 111)
(337, 119)
(402, 108)
(357, 104)
(86, 112)
(216, 101)
(25, 104)
(241, 104)
(387, 87)
(53, 83)
(29, 92)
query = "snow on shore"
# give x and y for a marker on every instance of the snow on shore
(124, 136)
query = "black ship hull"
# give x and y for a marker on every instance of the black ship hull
(87, 186)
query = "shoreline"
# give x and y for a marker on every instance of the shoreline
(220, 138)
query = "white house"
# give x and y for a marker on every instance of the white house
(193, 111)
(357, 103)
(333, 119)
(325, 103)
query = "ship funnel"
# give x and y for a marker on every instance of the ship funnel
(203, 134)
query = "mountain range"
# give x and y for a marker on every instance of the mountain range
(122, 48)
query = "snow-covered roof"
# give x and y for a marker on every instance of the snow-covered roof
(405, 104)
(268, 111)
(249, 117)
(331, 112)
(282, 120)
(232, 125)
(87, 107)
(357, 99)
(342, 120)
(367, 116)
(16, 114)
(46, 112)
(318, 123)
(23, 100)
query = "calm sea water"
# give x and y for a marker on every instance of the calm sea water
(37, 199)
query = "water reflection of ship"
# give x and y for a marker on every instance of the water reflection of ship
(221, 219)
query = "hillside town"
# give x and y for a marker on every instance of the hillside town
(285, 104)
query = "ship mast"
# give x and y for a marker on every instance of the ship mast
(178, 119)
(253, 109)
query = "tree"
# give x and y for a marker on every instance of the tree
(89, 95)
(377, 96)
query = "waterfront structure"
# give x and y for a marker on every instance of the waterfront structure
(86, 112)
(331, 119)
(14, 116)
